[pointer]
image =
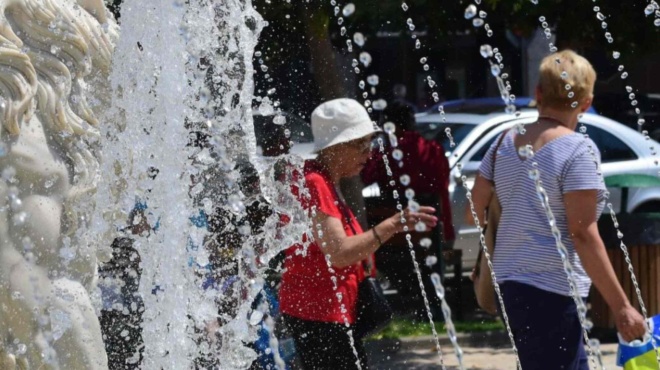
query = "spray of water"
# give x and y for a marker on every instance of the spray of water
(412, 254)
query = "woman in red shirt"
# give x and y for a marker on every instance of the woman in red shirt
(318, 293)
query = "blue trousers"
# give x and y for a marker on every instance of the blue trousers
(546, 328)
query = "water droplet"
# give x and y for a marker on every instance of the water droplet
(410, 194)
(583, 129)
(482, 14)
(619, 234)
(571, 94)
(20, 218)
(279, 120)
(477, 22)
(264, 68)
(564, 75)
(359, 39)
(495, 70)
(629, 88)
(257, 54)
(624, 75)
(641, 121)
(426, 243)
(426, 67)
(348, 10)
(633, 103)
(534, 174)
(411, 25)
(365, 58)
(431, 260)
(420, 227)
(373, 80)
(656, 22)
(486, 51)
(574, 104)
(650, 9)
(600, 16)
(379, 104)
(389, 127)
(413, 206)
(541, 19)
(418, 44)
(404, 6)
(405, 180)
(361, 84)
(470, 11)
(568, 87)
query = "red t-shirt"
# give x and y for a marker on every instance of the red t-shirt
(426, 164)
(306, 291)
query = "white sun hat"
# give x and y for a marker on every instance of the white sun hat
(339, 121)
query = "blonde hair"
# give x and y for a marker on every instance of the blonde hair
(561, 70)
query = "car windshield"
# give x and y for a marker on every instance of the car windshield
(458, 132)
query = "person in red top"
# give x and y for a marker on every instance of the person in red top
(427, 167)
(318, 292)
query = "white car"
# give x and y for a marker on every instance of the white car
(623, 151)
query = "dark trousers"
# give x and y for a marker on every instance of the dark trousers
(322, 345)
(546, 328)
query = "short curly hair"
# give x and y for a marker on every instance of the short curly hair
(565, 77)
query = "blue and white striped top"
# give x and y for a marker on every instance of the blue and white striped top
(525, 250)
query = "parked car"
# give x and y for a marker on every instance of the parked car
(617, 107)
(623, 150)
(485, 105)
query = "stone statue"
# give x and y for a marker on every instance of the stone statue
(55, 57)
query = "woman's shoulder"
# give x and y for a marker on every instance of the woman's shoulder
(578, 144)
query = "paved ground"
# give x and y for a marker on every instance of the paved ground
(419, 354)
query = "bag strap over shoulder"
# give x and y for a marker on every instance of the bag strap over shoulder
(497, 147)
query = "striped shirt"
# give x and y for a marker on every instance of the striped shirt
(525, 250)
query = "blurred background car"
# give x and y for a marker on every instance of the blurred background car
(623, 151)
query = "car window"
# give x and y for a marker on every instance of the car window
(612, 149)
(479, 155)
(458, 132)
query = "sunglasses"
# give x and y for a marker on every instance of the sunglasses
(363, 145)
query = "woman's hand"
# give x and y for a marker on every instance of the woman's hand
(423, 214)
(629, 323)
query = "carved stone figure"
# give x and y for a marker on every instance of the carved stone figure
(54, 61)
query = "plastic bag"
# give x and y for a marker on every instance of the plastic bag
(639, 354)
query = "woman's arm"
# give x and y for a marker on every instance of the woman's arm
(482, 191)
(347, 250)
(583, 229)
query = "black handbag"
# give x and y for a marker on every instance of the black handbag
(373, 310)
